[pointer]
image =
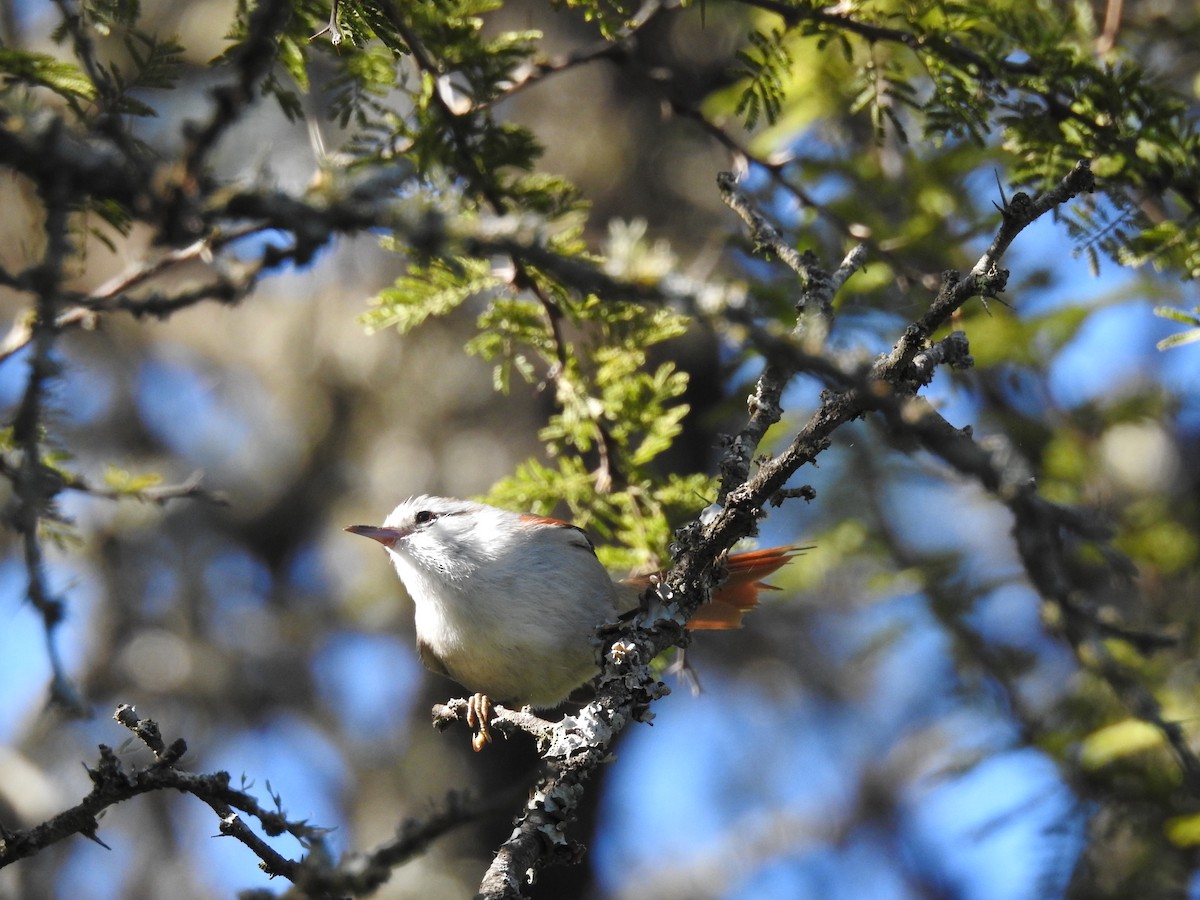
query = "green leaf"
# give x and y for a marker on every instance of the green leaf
(1178, 340)
(125, 482)
(1178, 315)
(1117, 741)
(291, 57)
(64, 78)
(763, 67)
(429, 290)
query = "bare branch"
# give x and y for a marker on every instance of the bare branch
(986, 278)
(113, 784)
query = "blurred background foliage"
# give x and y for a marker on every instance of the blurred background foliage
(520, 281)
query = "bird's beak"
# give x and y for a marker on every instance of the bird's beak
(385, 536)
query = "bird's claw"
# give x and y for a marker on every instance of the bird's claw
(479, 713)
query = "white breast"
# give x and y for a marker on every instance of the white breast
(518, 625)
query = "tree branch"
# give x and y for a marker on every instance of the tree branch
(627, 686)
(113, 784)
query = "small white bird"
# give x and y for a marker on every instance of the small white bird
(508, 604)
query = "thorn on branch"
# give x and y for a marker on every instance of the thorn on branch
(1000, 187)
(90, 834)
(109, 769)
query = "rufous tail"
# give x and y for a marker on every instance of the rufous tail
(738, 594)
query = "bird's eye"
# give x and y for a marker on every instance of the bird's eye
(424, 517)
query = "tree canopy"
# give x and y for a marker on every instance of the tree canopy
(912, 283)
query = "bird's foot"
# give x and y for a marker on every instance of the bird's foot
(479, 713)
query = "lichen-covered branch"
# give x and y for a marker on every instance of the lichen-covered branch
(627, 686)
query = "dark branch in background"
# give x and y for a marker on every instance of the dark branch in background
(45, 151)
(361, 874)
(1042, 530)
(113, 783)
(34, 483)
(113, 294)
(252, 64)
(627, 686)
(202, 250)
(616, 48)
(1044, 533)
(365, 203)
(66, 170)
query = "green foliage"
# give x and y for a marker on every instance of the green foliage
(513, 333)
(355, 93)
(150, 61)
(114, 215)
(1001, 340)
(610, 407)
(107, 16)
(610, 15)
(763, 66)
(633, 524)
(884, 90)
(38, 69)
(432, 289)
(155, 64)
(1018, 75)
(1119, 740)
(1178, 315)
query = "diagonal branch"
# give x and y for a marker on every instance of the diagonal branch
(627, 686)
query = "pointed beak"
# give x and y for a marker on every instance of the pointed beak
(385, 536)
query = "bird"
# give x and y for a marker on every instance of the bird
(507, 604)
